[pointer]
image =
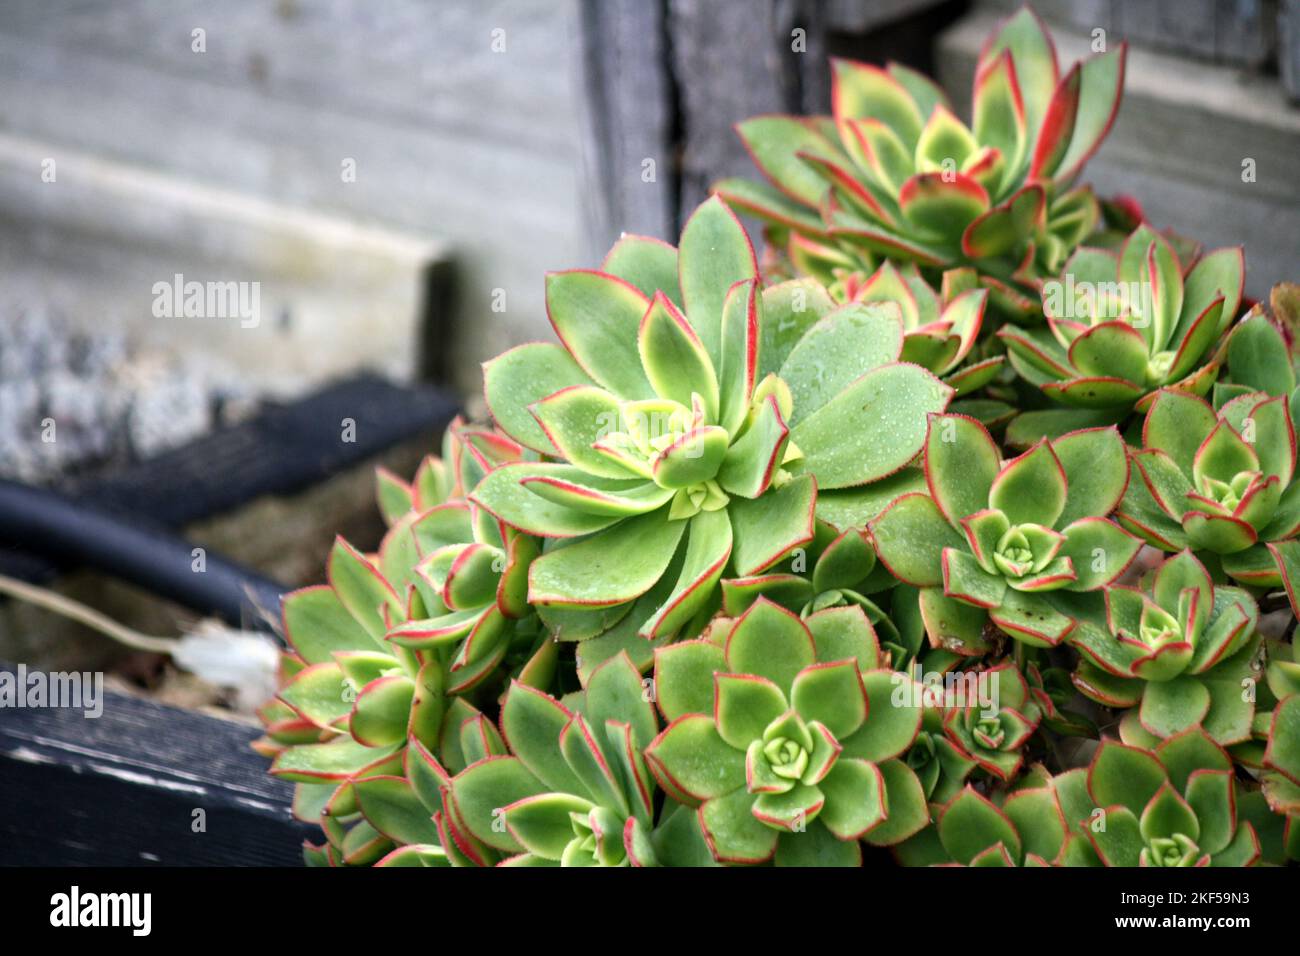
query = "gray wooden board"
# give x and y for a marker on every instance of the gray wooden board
(121, 790)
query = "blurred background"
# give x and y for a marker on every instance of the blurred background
(373, 190)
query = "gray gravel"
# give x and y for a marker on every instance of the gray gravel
(72, 400)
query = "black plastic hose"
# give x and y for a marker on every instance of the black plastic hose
(71, 534)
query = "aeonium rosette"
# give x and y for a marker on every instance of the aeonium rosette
(690, 434)
(992, 541)
(1219, 482)
(1181, 649)
(785, 734)
(1121, 325)
(894, 173)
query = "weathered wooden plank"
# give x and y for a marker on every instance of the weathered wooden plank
(127, 788)
(628, 118)
(1245, 31)
(856, 16)
(733, 61)
(1179, 145)
(449, 138)
(1288, 49)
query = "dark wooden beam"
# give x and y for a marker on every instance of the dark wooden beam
(123, 790)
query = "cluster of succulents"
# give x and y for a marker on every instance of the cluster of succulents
(897, 552)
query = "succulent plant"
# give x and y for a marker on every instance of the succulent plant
(1028, 828)
(388, 649)
(1121, 325)
(894, 173)
(693, 438)
(1219, 483)
(1179, 650)
(573, 788)
(785, 734)
(1172, 806)
(992, 540)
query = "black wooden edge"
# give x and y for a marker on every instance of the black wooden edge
(125, 788)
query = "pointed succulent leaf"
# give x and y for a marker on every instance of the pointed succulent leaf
(970, 824)
(692, 761)
(521, 376)
(684, 677)
(770, 642)
(647, 263)
(596, 316)
(910, 536)
(862, 337)
(608, 568)
(1124, 775)
(714, 254)
(766, 529)
(1031, 489)
(1096, 472)
(961, 463)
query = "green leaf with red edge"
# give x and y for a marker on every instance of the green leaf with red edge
(615, 693)
(1162, 273)
(752, 460)
(708, 547)
(693, 458)
(1095, 391)
(1273, 438)
(743, 318)
(865, 336)
(674, 358)
(381, 712)
(1172, 706)
(863, 91)
(943, 204)
(767, 528)
(517, 378)
(317, 623)
(531, 722)
(1007, 225)
(770, 642)
(910, 536)
(905, 801)
(713, 255)
(944, 140)
(964, 579)
(692, 762)
(1031, 49)
(586, 757)
(1096, 472)
(542, 823)
(774, 143)
(769, 204)
(952, 624)
(611, 567)
(391, 806)
(577, 417)
(1168, 814)
(845, 633)
(596, 315)
(832, 694)
(893, 717)
(1111, 348)
(1099, 550)
(961, 463)
(1258, 356)
(1031, 619)
(1036, 814)
(1124, 775)
(684, 677)
(1222, 455)
(502, 494)
(969, 824)
(1210, 797)
(484, 789)
(362, 589)
(1057, 129)
(649, 264)
(1183, 754)
(855, 798)
(319, 693)
(790, 309)
(744, 705)
(999, 113)
(1283, 753)
(1031, 488)
(1101, 85)
(1119, 842)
